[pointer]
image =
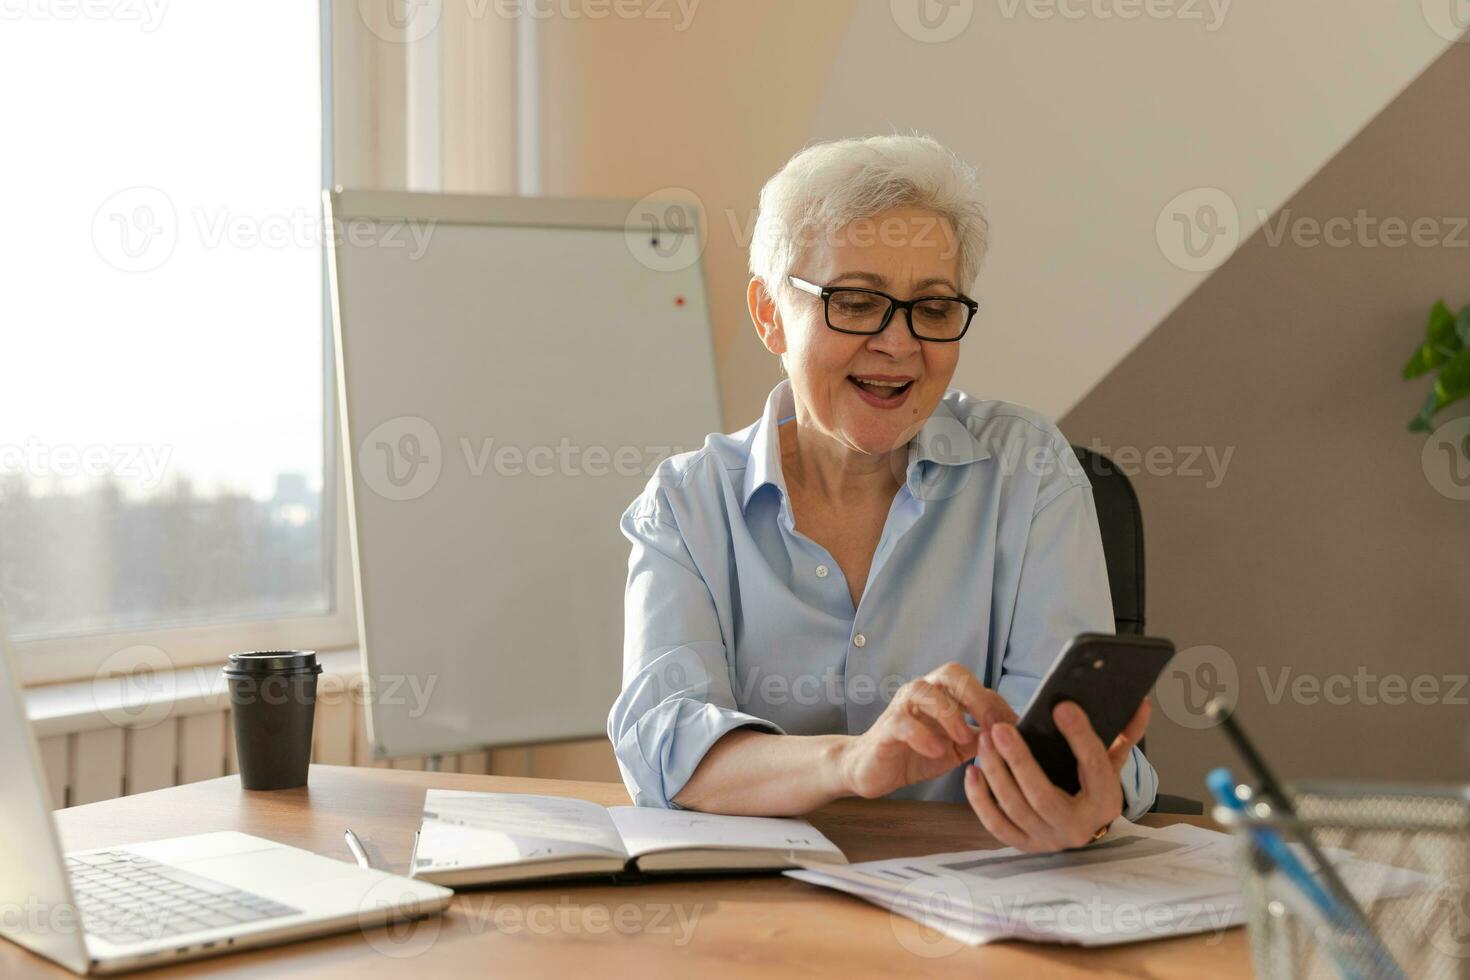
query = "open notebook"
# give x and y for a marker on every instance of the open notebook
(485, 838)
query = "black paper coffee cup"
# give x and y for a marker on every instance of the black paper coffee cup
(273, 697)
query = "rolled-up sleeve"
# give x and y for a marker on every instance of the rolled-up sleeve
(1063, 590)
(677, 698)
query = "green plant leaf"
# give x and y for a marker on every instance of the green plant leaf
(1421, 422)
(1424, 359)
(1440, 330)
(1454, 380)
(1462, 327)
(1441, 340)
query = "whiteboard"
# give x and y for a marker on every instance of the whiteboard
(510, 371)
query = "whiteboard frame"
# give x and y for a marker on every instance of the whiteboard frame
(601, 214)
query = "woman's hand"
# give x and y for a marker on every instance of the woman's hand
(922, 733)
(1021, 807)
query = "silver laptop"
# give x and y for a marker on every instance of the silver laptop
(123, 908)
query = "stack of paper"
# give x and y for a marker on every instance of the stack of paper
(1136, 883)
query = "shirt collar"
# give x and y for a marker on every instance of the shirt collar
(944, 440)
(764, 464)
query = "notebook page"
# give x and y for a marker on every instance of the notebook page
(648, 829)
(469, 829)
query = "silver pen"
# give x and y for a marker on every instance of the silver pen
(355, 846)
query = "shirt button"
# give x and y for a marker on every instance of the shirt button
(859, 640)
(821, 571)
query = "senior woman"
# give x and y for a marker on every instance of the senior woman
(854, 594)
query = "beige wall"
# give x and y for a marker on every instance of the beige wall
(1326, 553)
(634, 107)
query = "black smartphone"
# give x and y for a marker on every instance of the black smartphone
(1108, 676)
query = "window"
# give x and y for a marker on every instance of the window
(165, 439)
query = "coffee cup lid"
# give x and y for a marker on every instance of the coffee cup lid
(258, 662)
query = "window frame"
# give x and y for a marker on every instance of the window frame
(84, 655)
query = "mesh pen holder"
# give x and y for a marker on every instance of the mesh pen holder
(1418, 828)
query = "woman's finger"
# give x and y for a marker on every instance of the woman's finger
(1050, 803)
(1007, 794)
(999, 825)
(1094, 766)
(983, 704)
(912, 731)
(937, 703)
(1130, 736)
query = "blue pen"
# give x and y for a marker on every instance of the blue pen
(1269, 844)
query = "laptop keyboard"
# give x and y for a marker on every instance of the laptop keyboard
(126, 898)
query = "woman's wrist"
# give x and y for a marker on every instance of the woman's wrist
(833, 768)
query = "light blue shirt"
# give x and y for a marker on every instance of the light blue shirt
(990, 556)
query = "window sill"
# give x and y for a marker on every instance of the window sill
(78, 706)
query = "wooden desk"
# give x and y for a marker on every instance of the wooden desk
(767, 926)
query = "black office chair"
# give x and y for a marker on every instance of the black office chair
(1120, 520)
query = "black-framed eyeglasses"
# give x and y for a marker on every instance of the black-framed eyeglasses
(852, 309)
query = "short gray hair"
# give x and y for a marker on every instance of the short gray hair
(828, 185)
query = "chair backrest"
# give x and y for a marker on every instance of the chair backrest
(1120, 520)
